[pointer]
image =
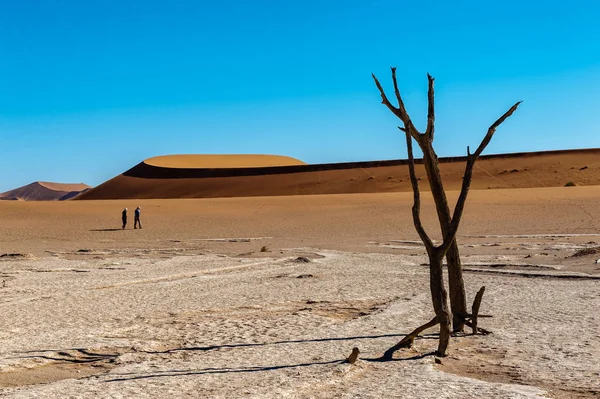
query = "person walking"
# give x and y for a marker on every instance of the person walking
(137, 221)
(124, 218)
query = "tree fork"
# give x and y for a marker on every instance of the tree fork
(458, 299)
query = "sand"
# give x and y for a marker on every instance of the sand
(212, 161)
(194, 306)
(206, 176)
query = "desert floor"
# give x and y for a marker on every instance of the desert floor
(192, 305)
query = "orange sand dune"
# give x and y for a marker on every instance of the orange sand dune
(180, 176)
(221, 161)
(45, 191)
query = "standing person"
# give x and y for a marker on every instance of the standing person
(124, 218)
(136, 221)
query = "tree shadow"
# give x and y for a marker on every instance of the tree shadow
(226, 346)
(292, 341)
(82, 355)
(251, 369)
(384, 359)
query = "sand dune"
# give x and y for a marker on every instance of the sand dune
(210, 161)
(188, 176)
(45, 191)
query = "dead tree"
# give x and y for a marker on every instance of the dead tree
(449, 222)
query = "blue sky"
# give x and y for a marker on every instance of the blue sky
(91, 88)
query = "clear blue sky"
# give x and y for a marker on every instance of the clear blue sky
(91, 88)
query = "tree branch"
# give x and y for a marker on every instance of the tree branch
(401, 108)
(466, 183)
(416, 209)
(408, 340)
(400, 111)
(430, 109)
(384, 99)
(460, 204)
(488, 137)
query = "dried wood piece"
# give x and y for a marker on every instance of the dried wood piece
(475, 308)
(353, 356)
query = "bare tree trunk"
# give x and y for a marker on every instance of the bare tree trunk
(439, 298)
(458, 299)
(456, 284)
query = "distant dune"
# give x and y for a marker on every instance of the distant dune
(196, 176)
(45, 191)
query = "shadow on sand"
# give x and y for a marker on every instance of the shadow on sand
(252, 369)
(87, 356)
(106, 229)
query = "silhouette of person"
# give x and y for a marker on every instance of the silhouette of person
(124, 218)
(137, 221)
